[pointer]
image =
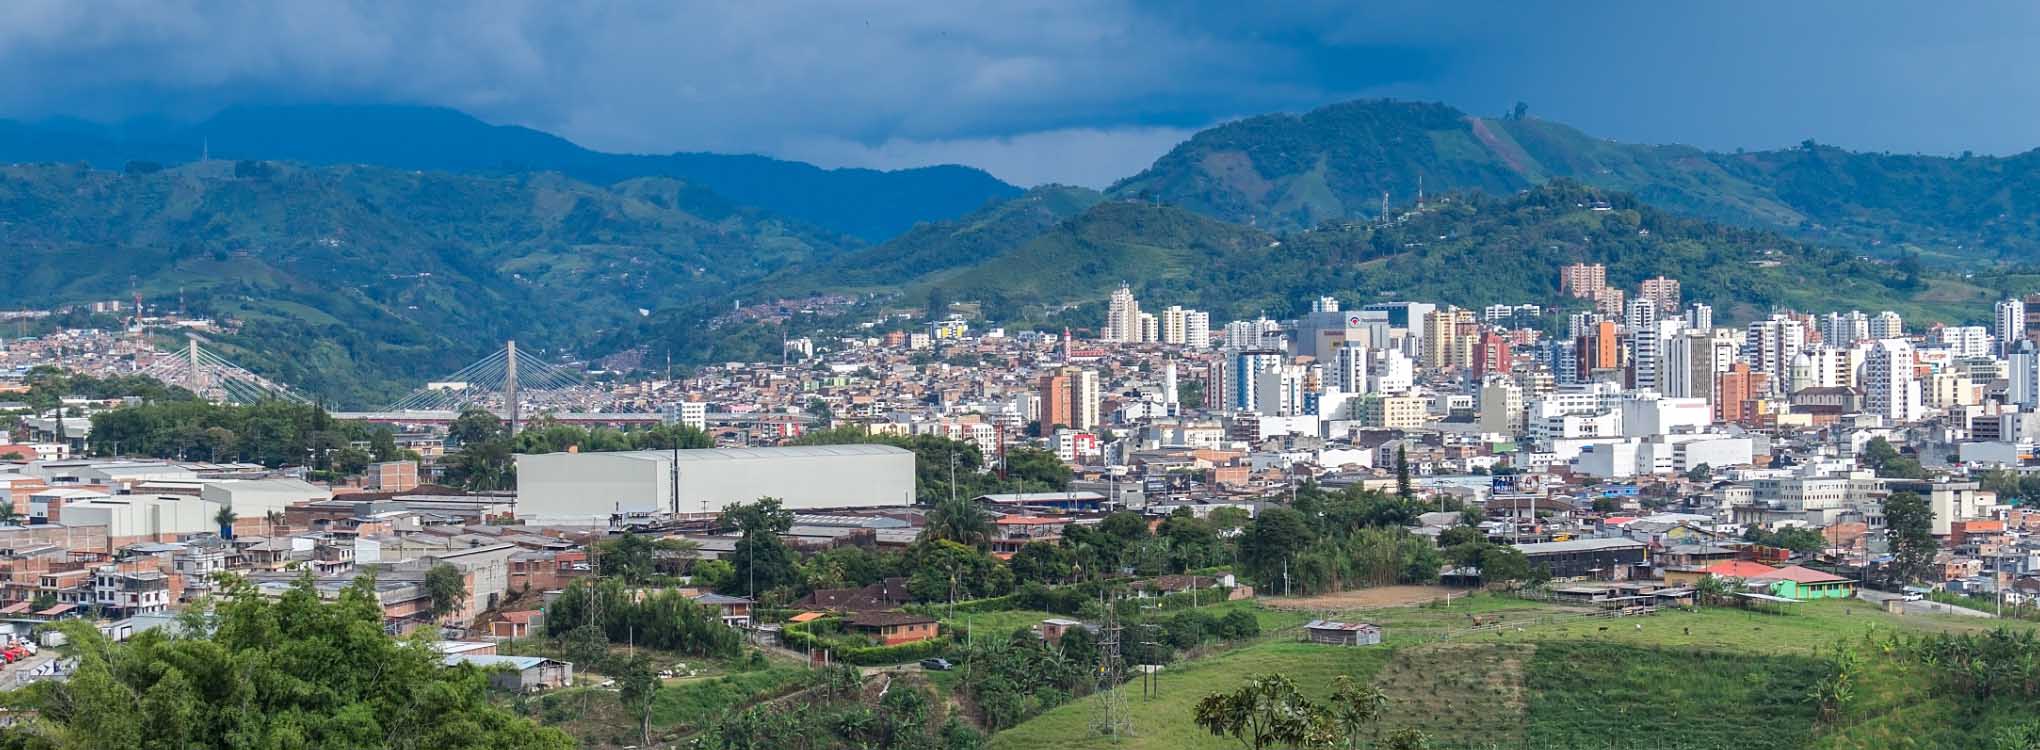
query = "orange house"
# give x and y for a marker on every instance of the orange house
(895, 628)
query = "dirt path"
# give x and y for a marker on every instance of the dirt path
(1372, 598)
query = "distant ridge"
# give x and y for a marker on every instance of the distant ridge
(1286, 171)
(870, 204)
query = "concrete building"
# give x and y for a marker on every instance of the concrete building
(1890, 388)
(2011, 324)
(589, 487)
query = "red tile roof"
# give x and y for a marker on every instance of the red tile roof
(1741, 569)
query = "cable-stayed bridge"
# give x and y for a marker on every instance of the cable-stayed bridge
(214, 377)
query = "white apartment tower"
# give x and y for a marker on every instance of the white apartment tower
(1349, 368)
(1889, 389)
(2011, 324)
(1887, 325)
(1771, 345)
(1122, 317)
(1843, 329)
(1642, 324)
(1196, 329)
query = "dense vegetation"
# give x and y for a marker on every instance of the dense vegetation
(861, 202)
(269, 673)
(1335, 163)
(271, 433)
(1519, 241)
(348, 280)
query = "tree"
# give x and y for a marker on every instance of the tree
(1043, 562)
(761, 559)
(638, 690)
(959, 520)
(1499, 564)
(446, 586)
(630, 557)
(1700, 473)
(224, 688)
(474, 425)
(1877, 453)
(1266, 712)
(1356, 710)
(1403, 488)
(1909, 522)
(1033, 467)
(225, 518)
(1272, 540)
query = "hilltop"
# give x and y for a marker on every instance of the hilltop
(1335, 163)
(352, 279)
(1468, 249)
(869, 204)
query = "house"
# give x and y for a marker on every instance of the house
(1600, 559)
(895, 628)
(1342, 633)
(884, 595)
(735, 610)
(519, 624)
(519, 674)
(1052, 629)
(1789, 582)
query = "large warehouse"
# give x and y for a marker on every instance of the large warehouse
(589, 487)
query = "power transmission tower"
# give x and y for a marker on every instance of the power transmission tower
(1113, 718)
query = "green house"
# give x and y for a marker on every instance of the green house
(1804, 584)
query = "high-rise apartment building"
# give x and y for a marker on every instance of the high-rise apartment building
(1887, 325)
(1663, 292)
(1122, 317)
(1069, 397)
(1736, 391)
(1890, 387)
(2011, 325)
(1196, 329)
(1700, 316)
(1582, 280)
(1771, 345)
(1641, 343)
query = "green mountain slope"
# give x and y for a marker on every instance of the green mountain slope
(932, 250)
(1335, 163)
(870, 204)
(354, 281)
(1469, 250)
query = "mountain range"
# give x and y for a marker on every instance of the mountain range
(367, 248)
(1297, 171)
(869, 204)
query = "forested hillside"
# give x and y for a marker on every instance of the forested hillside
(1470, 250)
(869, 204)
(349, 280)
(1337, 162)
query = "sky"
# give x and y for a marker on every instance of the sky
(1035, 92)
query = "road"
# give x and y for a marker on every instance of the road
(1921, 607)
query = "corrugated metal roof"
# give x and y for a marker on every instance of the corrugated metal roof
(1576, 545)
(755, 454)
(485, 662)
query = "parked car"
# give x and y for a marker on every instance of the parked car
(937, 665)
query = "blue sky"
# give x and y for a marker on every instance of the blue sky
(1080, 92)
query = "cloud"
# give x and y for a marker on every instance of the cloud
(1088, 86)
(1090, 157)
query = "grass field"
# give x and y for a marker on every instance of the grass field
(1550, 678)
(1164, 721)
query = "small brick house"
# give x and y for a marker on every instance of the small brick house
(895, 628)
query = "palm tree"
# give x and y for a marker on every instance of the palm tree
(275, 518)
(959, 520)
(226, 518)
